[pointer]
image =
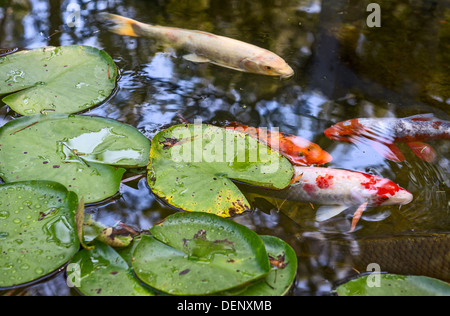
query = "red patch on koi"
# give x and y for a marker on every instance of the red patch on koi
(436, 124)
(383, 191)
(309, 188)
(324, 182)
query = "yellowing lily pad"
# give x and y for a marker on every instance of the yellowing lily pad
(191, 167)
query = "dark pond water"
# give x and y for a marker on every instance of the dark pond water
(343, 69)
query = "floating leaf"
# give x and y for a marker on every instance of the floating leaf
(283, 262)
(199, 253)
(103, 272)
(394, 285)
(67, 79)
(37, 230)
(76, 151)
(191, 167)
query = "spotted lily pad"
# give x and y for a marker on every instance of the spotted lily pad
(283, 261)
(101, 271)
(198, 254)
(67, 79)
(37, 230)
(191, 167)
(83, 153)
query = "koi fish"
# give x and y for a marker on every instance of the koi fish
(337, 190)
(383, 133)
(207, 47)
(297, 150)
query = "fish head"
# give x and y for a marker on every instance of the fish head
(401, 197)
(312, 154)
(386, 192)
(300, 151)
(268, 64)
(345, 131)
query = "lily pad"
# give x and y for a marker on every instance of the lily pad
(198, 254)
(67, 79)
(191, 167)
(76, 151)
(283, 262)
(37, 230)
(394, 285)
(101, 271)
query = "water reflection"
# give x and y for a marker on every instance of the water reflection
(344, 69)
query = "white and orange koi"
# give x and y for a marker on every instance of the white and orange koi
(336, 190)
(207, 47)
(383, 133)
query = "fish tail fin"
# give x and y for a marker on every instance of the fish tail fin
(123, 26)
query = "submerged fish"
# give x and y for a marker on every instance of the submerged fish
(415, 253)
(208, 47)
(297, 150)
(337, 189)
(383, 133)
(406, 253)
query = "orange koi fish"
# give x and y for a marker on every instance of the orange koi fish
(383, 133)
(297, 150)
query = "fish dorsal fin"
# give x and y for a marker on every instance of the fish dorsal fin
(422, 117)
(326, 212)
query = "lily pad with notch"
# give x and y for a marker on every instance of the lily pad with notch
(199, 254)
(283, 261)
(86, 154)
(191, 167)
(66, 79)
(102, 271)
(38, 232)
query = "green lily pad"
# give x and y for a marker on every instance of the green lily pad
(101, 271)
(191, 167)
(394, 285)
(282, 273)
(199, 254)
(67, 79)
(76, 151)
(37, 230)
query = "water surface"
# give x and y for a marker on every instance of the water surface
(343, 69)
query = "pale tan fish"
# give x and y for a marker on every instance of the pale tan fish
(207, 47)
